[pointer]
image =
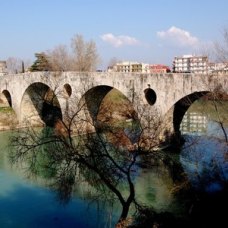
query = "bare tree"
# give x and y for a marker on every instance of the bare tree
(101, 163)
(68, 153)
(221, 48)
(82, 56)
(112, 62)
(106, 159)
(85, 56)
(102, 168)
(60, 58)
(16, 65)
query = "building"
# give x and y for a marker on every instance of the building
(3, 68)
(158, 69)
(191, 64)
(135, 67)
(128, 67)
(218, 67)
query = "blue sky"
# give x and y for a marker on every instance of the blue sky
(137, 30)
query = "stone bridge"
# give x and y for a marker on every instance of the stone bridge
(167, 95)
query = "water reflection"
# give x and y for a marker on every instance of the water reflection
(205, 152)
(153, 188)
(203, 158)
(28, 206)
(194, 122)
(205, 162)
(32, 203)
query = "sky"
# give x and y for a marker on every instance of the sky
(129, 30)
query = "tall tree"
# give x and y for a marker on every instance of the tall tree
(84, 53)
(221, 48)
(14, 65)
(82, 57)
(60, 59)
(41, 63)
(102, 162)
(112, 62)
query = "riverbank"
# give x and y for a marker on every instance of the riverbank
(8, 119)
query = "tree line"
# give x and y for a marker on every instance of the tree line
(81, 56)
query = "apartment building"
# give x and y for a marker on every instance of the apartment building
(137, 67)
(191, 64)
(127, 67)
(218, 67)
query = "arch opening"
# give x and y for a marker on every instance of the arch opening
(40, 106)
(181, 107)
(204, 134)
(111, 111)
(8, 117)
(94, 98)
(5, 99)
(150, 96)
(67, 90)
(206, 112)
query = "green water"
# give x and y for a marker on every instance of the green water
(31, 202)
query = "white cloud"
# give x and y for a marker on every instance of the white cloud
(178, 37)
(118, 41)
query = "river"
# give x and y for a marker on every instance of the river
(29, 201)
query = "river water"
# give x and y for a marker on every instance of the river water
(29, 202)
(204, 155)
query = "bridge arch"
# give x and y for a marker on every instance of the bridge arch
(8, 115)
(6, 99)
(67, 90)
(39, 105)
(181, 107)
(93, 99)
(108, 106)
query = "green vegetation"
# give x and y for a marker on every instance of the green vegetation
(6, 110)
(206, 107)
(117, 97)
(116, 112)
(41, 63)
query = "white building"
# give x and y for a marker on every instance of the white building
(218, 67)
(127, 67)
(191, 64)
